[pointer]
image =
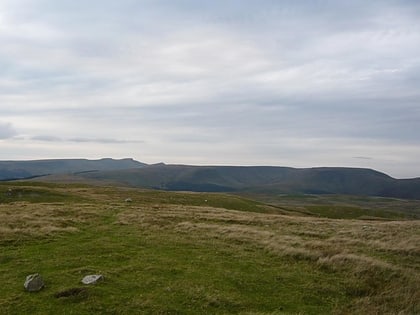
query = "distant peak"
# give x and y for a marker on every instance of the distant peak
(158, 164)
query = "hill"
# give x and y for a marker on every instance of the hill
(262, 179)
(241, 179)
(197, 253)
(26, 169)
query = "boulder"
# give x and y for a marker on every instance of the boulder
(92, 279)
(34, 283)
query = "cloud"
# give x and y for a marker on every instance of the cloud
(362, 157)
(103, 140)
(233, 76)
(46, 138)
(6, 130)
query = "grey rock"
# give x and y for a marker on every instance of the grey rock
(92, 279)
(128, 200)
(34, 283)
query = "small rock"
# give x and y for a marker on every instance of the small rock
(92, 279)
(34, 283)
(128, 200)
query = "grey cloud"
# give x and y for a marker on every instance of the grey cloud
(46, 138)
(103, 140)
(215, 72)
(362, 157)
(7, 131)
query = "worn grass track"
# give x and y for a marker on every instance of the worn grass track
(185, 253)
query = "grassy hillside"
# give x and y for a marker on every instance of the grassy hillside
(197, 253)
(343, 206)
(27, 169)
(261, 179)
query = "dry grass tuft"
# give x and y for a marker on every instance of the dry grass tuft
(20, 220)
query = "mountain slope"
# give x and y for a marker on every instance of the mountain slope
(276, 180)
(253, 179)
(26, 169)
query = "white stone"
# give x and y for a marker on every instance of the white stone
(34, 283)
(92, 279)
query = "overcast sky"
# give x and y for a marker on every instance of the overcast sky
(288, 83)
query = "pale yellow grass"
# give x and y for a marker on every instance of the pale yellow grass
(21, 219)
(318, 237)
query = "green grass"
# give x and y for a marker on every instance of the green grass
(344, 206)
(33, 193)
(168, 274)
(351, 212)
(184, 253)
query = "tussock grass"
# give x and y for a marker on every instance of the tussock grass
(27, 220)
(368, 253)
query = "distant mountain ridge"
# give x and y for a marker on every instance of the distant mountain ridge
(252, 179)
(264, 179)
(25, 169)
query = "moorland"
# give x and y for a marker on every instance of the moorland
(167, 252)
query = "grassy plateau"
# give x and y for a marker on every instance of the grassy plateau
(206, 253)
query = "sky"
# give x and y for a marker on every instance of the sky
(221, 82)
